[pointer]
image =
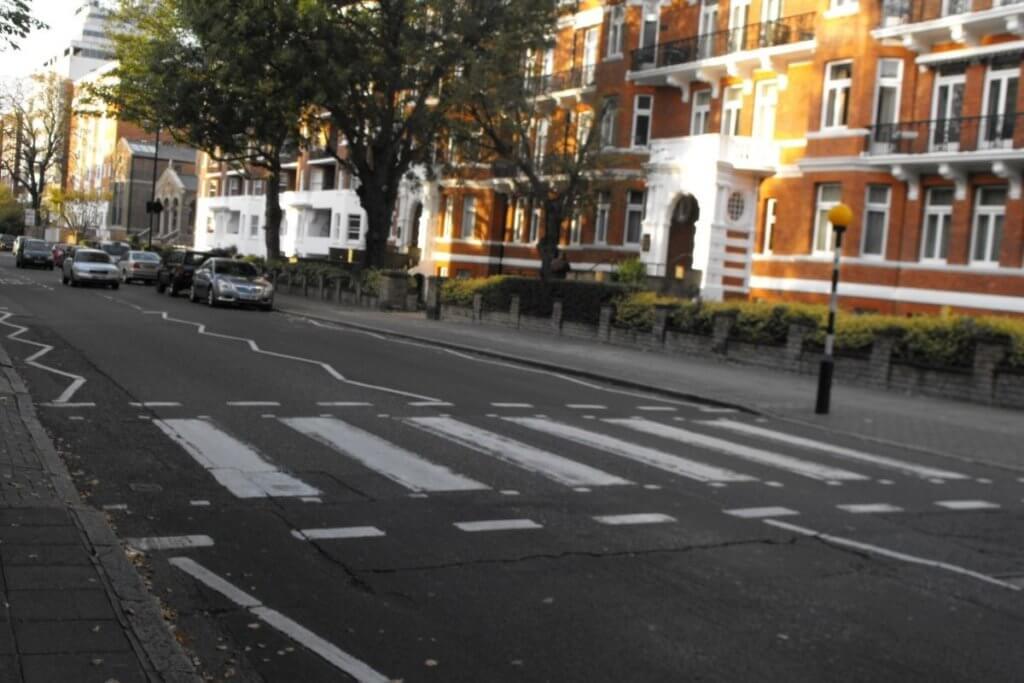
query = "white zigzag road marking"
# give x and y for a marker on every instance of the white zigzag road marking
(253, 346)
(77, 381)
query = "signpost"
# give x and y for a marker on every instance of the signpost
(840, 216)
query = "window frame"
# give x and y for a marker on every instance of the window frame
(821, 208)
(836, 84)
(732, 111)
(638, 113)
(348, 227)
(700, 111)
(770, 218)
(609, 124)
(991, 211)
(615, 42)
(602, 216)
(885, 210)
(631, 209)
(882, 81)
(940, 210)
(468, 216)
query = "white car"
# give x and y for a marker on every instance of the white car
(90, 267)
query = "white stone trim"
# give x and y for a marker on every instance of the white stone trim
(876, 262)
(933, 297)
(970, 53)
(830, 133)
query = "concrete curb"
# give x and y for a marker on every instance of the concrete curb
(541, 365)
(160, 655)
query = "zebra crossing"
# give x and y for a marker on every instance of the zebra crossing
(453, 454)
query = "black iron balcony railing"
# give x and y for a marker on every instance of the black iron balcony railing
(897, 12)
(570, 79)
(792, 29)
(962, 134)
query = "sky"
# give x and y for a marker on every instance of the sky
(59, 16)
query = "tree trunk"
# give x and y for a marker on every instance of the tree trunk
(379, 207)
(548, 243)
(272, 233)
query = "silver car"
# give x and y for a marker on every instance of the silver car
(90, 267)
(227, 281)
(139, 266)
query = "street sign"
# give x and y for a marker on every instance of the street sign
(30, 218)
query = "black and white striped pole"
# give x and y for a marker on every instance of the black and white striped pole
(839, 216)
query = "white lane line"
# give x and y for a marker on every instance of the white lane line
(116, 507)
(77, 381)
(892, 554)
(761, 513)
(254, 404)
(967, 505)
(841, 451)
(337, 533)
(76, 418)
(626, 449)
(343, 404)
(431, 404)
(550, 465)
(802, 467)
(395, 463)
(638, 518)
(155, 404)
(585, 406)
(711, 409)
(657, 409)
(498, 525)
(199, 503)
(255, 348)
(341, 660)
(512, 405)
(55, 404)
(169, 542)
(869, 508)
(235, 465)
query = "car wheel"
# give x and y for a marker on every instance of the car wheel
(64, 280)
(211, 298)
(159, 287)
(192, 294)
(51, 266)
(115, 285)
(266, 308)
(124, 278)
(170, 291)
(74, 282)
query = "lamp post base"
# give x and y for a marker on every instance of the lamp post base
(824, 387)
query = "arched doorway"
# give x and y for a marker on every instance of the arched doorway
(681, 234)
(414, 233)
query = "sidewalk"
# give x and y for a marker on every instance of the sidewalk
(74, 608)
(963, 430)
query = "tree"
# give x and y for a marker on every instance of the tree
(549, 151)
(231, 79)
(387, 75)
(79, 211)
(35, 128)
(16, 22)
(12, 214)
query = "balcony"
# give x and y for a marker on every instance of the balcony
(743, 153)
(952, 148)
(738, 51)
(920, 24)
(563, 85)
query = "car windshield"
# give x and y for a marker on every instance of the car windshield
(115, 249)
(92, 257)
(194, 259)
(35, 244)
(237, 269)
(144, 256)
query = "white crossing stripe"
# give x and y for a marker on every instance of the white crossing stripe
(339, 532)
(648, 456)
(169, 542)
(586, 406)
(254, 404)
(498, 525)
(338, 658)
(761, 513)
(431, 404)
(869, 508)
(554, 467)
(842, 451)
(342, 404)
(892, 554)
(512, 405)
(391, 461)
(237, 466)
(657, 409)
(638, 518)
(714, 409)
(155, 404)
(967, 505)
(762, 457)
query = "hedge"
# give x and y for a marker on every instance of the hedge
(581, 301)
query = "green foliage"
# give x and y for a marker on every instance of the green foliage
(581, 301)
(636, 311)
(631, 272)
(16, 22)
(12, 214)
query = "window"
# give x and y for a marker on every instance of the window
(842, 4)
(575, 230)
(540, 146)
(635, 207)
(254, 226)
(212, 187)
(355, 227)
(591, 53)
(316, 179)
(938, 214)
(616, 31)
(468, 217)
(708, 28)
(1000, 107)
(989, 214)
(769, 226)
(518, 219)
(448, 218)
(836, 102)
(336, 228)
(649, 27)
(732, 105)
(601, 218)
(234, 186)
(318, 223)
(234, 221)
(642, 120)
(739, 11)
(701, 112)
(535, 217)
(211, 224)
(876, 221)
(887, 98)
(283, 228)
(766, 100)
(608, 116)
(828, 196)
(947, 110)
(259, 187)
(584, 124)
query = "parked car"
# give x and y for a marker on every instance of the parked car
(175, 274)
(117, 250)
(6, 242)
(139, 266)
(90, 266)
(32, 252)
(227, 281)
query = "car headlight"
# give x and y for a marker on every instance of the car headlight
(268, 289)
(225, 286)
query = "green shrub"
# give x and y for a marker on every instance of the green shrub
(370, 282)
(631, 272)
(581, 301)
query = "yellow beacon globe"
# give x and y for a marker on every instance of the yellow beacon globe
(840, 214)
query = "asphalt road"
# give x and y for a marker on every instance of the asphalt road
(314, 504)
